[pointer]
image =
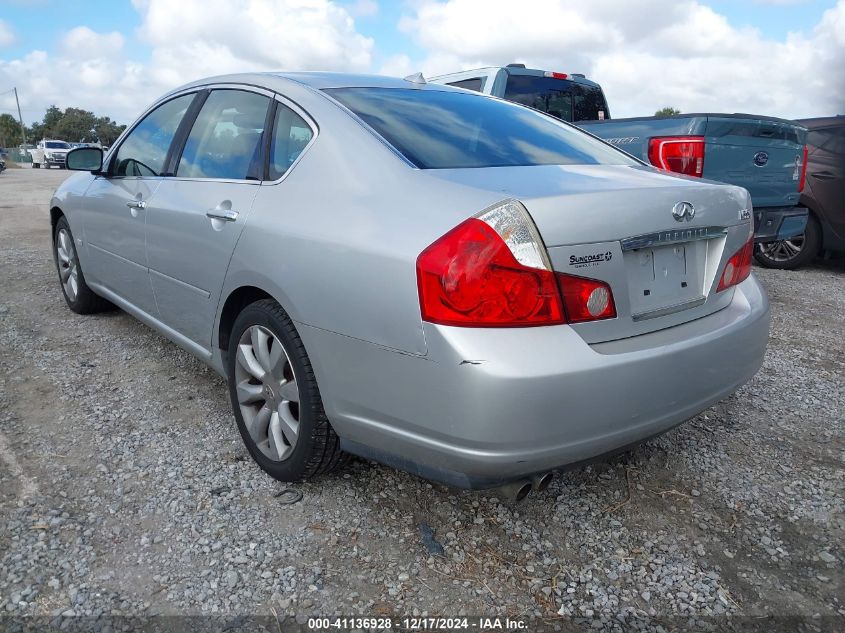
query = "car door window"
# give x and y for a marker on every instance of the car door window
(144, 152)
(225, 140)
(291, 134)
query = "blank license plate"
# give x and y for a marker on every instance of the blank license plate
(665, 276)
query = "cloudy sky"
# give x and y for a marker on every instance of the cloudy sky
(776, 57)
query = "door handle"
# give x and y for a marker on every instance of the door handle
(227, 215)
(136, 204)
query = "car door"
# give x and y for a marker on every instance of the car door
(114, 213)
(199, 213)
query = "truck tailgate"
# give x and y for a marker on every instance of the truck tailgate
(761, 154)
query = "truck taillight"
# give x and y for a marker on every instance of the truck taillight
(678, 154)
(738, 267)
(493, 271)
(800, 172)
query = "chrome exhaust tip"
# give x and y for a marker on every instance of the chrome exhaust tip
(540, 482)
(514, 491)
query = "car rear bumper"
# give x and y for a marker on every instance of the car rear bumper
(487, 406)
(779, 223)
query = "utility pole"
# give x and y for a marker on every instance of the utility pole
(20, 118)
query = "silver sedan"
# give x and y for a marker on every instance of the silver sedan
(459, 286)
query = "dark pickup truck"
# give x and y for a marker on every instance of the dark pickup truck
(767, 156)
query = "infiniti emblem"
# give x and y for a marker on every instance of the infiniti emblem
(683, 211)
(761, 158)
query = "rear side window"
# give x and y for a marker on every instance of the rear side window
(561, 98)
(290, 136)
(436, 129)
(144, 151)
(225, 140)
(476, 83)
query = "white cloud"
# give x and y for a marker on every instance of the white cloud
(193, 38)
(364, 8)
(83, 43)
(646, 54)
(7, 36)
(397, 66)
(189, 39)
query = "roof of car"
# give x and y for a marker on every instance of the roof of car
(316, 80)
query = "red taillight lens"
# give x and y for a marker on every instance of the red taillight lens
(678, 154)
(555, 75)
(738, 267)
(803, 177)
(586, 299)
(469, 277)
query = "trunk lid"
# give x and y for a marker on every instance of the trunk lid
(759, 153)
(616, 224)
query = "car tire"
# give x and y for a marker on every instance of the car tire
(79, 297)
(275, 397)
(793, 253)
(35, 165)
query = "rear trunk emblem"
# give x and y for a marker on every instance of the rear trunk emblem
(683, 211)
(761, 158)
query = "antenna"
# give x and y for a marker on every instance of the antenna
(416, 78)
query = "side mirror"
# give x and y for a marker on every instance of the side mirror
(85, 159)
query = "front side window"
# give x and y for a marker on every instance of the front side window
(225, 141)
(437, 129)
(144, 151)
(290, 136)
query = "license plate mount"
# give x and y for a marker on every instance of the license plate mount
(665, 276)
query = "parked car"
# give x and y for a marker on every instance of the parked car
(567, 96)
(458, 286)
(823, 195)
(48, 153)
(2, 164)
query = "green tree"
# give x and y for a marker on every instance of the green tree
(51, 118)
(10, 131)
(76, 126)
(667, 111)
(35, 132)
(107, 130)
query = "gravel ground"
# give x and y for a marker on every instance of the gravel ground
(125, 489)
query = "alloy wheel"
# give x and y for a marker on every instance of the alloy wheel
(68, 264)
(783, 250)
(267, 392)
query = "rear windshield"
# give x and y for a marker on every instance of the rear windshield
(453, 130)
(561, 98)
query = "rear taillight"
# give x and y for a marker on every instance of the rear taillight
(800, 172)
(678, 154)
(738, 267)
(493, 271)
(586, 299)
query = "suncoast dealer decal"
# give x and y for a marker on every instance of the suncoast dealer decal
(593, 259)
